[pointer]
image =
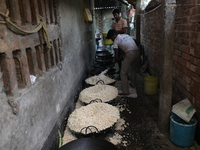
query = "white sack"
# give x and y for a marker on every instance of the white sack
(184, 109)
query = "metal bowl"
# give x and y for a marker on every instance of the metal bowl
(88, 144)
(96, 71)
(104, 54)
(100, 50)
(104, 60)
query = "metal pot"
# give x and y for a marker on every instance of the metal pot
(101, 50)
(88, 144)
(111, 71)
(104, 54)
(98, 65)
(104, 60)
(96, 71)
(84, 132)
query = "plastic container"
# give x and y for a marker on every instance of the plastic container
(150, 85)
(182, 133)
(106, 41)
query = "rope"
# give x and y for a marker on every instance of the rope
(151, 10)
(60, 139)
(13, 27)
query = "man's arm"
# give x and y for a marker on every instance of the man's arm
(116, 56)
(123, 30)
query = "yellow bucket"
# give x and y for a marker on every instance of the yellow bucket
(106, 41)
(150, 85)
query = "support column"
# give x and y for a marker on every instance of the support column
(47, 12)
(165, 97)
(3, 8)
(52, 55)
(55, 47)
(59, 50)
(9, 74)
(34, 12)
(25, 11)
(47, 58)
(14, 11)
(22, 69)
(40, 60)
(137, 20)
(32, 61)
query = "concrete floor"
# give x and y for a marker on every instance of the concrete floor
(141, 115)
(137, 129)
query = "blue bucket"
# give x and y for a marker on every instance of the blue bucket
(182, 133)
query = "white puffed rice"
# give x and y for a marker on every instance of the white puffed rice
(100, 115)
(103, 93)
(116, 139)
(99, 79)
(68, 136)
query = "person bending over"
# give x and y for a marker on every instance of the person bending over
(131, 57)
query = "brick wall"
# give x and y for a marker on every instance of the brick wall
(186, 82)
(187, 48)
(151, 38)
(186, 59)
(187, 52)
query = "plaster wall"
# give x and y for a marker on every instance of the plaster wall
(41, 104)
(103, 20)
(157, 38)
(107, 20)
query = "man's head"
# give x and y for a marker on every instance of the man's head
(116, 14)
(112, 34)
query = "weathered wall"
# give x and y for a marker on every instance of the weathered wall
(186, 81)
(107, 20)
(29, 112)
(186, 58)
(187, 52)
(157, 34)
(103, 21)
(151, 38)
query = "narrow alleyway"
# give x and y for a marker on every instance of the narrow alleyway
(137, 129)
(141, 115)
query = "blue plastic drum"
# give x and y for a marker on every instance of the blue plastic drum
(182, 133)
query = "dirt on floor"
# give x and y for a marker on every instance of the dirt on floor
(141, 115)
(137, 129)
